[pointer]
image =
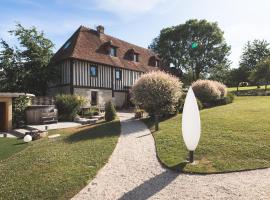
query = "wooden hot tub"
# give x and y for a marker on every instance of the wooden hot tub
(41, 114)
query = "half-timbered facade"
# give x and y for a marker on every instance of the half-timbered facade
(100, 67)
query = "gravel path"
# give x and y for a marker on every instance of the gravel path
(134, 173)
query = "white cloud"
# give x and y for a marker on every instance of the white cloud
(128, 6)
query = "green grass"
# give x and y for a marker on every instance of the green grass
(10, 146)
(234, 137)
(58, 168)
(233, 89)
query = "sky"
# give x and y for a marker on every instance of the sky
(138, 21)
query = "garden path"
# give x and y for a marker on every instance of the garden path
(133, 172)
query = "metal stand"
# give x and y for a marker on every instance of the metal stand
(191, 156)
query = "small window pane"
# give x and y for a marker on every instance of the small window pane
(135, 57)
(113, 51)
(118, 74)
(93, 71)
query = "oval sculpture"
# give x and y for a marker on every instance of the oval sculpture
(191, 123)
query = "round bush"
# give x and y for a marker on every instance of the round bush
(222, 88)
(68, 106)
(206, 90)
(110, 113)
(157, 92)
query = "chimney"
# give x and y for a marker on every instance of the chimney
(100, 29)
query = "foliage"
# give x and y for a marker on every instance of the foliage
(157, 92)
(25, 68)
(238, 75)
(110, 112)
(68, 106)
(210, 93)
(227, 140)
(19, 106)
(138, 113)
(206, 90)
(181, 102)
(176, 47)
(253, 53)
(89, 113)
(262, 73)
(58, 169)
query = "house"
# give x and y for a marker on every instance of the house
(100, 67)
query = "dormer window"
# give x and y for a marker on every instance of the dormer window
(136, 57)
(157, 63)
(113, 51)
(67, 45)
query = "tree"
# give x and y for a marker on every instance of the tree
(197, 46)
(253, 53)
(25, 68)
(237, 76)
(262, 73)
(157, 93)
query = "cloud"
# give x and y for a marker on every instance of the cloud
(128, 6)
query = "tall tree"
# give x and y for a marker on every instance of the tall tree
(262, 73)
(197, 46)
(25, 68)
(253, 53)
(237, 76)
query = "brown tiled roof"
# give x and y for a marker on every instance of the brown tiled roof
(88, 44)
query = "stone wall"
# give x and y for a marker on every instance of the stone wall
(119, 99)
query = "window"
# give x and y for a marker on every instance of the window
(118, 74)
(136, 57)
(157, 63)
(67, 45)
(113, 51)
(93, 71)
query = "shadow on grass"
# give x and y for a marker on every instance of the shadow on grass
(100, 130)
(151, 186)
(21, 143)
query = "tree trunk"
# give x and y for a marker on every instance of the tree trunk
(156, 123)
(266, 86)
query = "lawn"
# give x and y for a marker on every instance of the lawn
(233, 89)
(58, 168)
(10, 146)
(234, 137)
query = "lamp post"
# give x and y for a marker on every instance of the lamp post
(191, 123)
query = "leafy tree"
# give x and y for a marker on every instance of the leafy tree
(197, 46)
(237, 76)
(157, 93)
(262, 73)
(25, 68)
(253, 53)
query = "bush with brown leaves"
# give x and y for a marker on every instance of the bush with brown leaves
(209, 91)
(157, 92)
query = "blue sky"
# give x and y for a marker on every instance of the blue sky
(138, 21)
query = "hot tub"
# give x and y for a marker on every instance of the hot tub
(41, 114)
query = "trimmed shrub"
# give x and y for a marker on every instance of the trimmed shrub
(110, 113)
(222, 88)
(206, 90)
(200, 105)
(229, 98)
(209, 92)
(157, 93)
(69, 106)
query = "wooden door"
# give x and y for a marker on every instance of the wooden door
(3, 115)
